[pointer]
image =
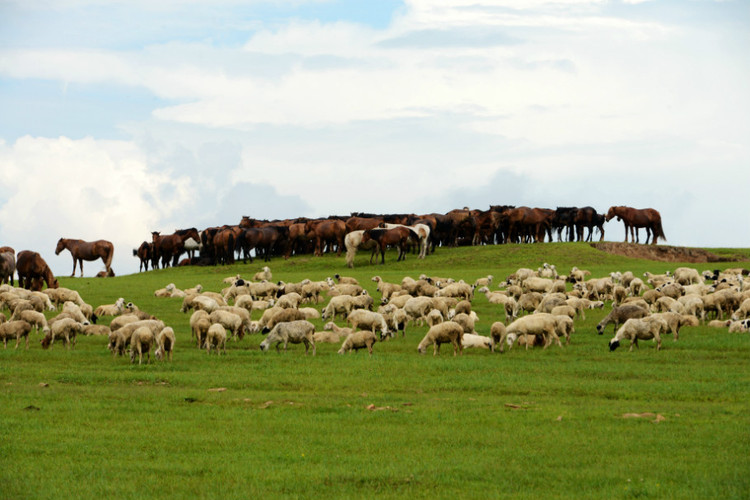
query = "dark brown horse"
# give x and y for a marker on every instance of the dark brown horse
(32, 269)
(87, 250)
(587, 217)
(327, 233)
(145, 254)
(170, 247)
(7, 265)
(525, 223)
(634, 219)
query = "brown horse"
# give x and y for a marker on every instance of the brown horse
(7, 265)
(587, 217)
(400, 237)
(525, 222)
(32, 269)
(634, 219)
(145, 254)
(170, 247)
(87, 250)
(327, 232)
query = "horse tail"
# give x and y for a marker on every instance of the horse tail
(658, 231)
(110, 254)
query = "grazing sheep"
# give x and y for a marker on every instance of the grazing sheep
(75, 311)
(230, 321)
(535, 324)
(204, 303)
(529, 301)
(434, 317)
(417, 308)
(498, 332)
(576, 275)
(35, 319)
(395, 318)
(368, 320)
(674, 321)
(120, 321)
(564, 310)
(466, 321)
(458, 290)
(61, 295)
(687, 276)
(296, 332)
(341, 304)
(165, 343)
(289, 300)
(636, 329)
(16, 330)
(216, 336)
(619, 315)
(310, 313)
(473, 340)
(358, 340)
(141, 341)
(280, 315)
(448, 331)
(120, 338)
(65, 329)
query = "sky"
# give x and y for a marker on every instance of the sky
(120, 118)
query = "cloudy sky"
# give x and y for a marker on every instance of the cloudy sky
(124, 117)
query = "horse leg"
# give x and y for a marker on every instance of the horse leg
(648, 235)
(80, 264)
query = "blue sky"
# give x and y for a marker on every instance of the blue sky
(138, 116)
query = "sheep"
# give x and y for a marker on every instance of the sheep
(61, 295)
(229, 321)
(457, 290)
(508, 302)
(675, 321)
(693, 305)
(363, 301)
(281, 316)
(576, 275)
(327, 337)
(368, 320)
(310, 313)
(15, 329)
(529, 301)
(165, 343)
(551, 301)
(739, 326)
(537, 284)
(657, 280)
(620, 314)
(66, 329)
(521, 274)
(244, 301)
(463, 306)
(205, 303)
(232, 279)
(399, 301)
(243, 313)
(141, 341)
(340, 331)
(484, 282)
(98, 330)
(395, 318)
(120, 321)
(345, 280)
(35, 319)
(311, 291)
(635, 329)
(498, 332)
(535, 324)
(296, 332)
(263, 275)
(466, 321)
(289, 300)
(473, 340)
(341, 304)
(120, 338)
(448, 331)
(564, 310)
(636, 286)
(164, 292)
(434, 317)
(111, 309)
(216, 336)
(673, 290)
(358, 340)
(547, 271)
(417, 308)
(687, 276)
(386, 289)
(719, 323)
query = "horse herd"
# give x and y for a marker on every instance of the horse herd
(499, 224)
(218, 245)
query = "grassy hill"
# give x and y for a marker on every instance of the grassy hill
(535, 424)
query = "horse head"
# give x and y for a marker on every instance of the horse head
(60, 246)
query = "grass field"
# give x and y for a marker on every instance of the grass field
(524, 424)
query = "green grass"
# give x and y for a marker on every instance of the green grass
(524, 424)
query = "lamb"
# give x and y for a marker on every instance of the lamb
(448, 331)
(66, 329)
(635, 329)
(141, 341)
(165, 292)
(368, 320)
(216, 336)
(473, 340)
(620, 315)
(739, 326)
(296, 332)
(535, 324)
(111, 309)
(263, 275)
(15, 329)
(358, 340)
(547, 271)
(165, 343)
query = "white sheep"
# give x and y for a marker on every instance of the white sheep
(65, 329)
(448, 331)
(474, 340)
(386, 289)
(310, 313)
(484, 282)
(296, 332)
(535, 324)
(111, 309)
(358, 340)
(368, 320)
(141, 341)
(35, 319)
(341, 304)
(216, 336)
(230, 321)
(75, 311)
(327, 337)
(263, 275)
(15, 330)
(165, 341)
(434, 317)
(340, 331)
(96, 330)
(687, 276)
(636, 329)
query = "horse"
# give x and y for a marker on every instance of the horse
(327, 231)
(32, 269)
(7, 265)
(171, 246)
(565, 219)
(587, 217)
(87, 250)
(526, 222)
(145, 254)
(634, 219)
(400, 236)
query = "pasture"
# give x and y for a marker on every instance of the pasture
(577, 422)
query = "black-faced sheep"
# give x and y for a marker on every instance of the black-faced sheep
(296, 332)
(636, 329)
(443, 333)
(358, 340)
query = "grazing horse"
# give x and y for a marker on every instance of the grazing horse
(400, 237)
(634, 219)
(32, 269)
(87, 250)
(7, 265)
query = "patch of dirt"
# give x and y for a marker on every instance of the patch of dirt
(663, 253)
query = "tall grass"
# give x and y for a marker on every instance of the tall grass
(525, 424)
